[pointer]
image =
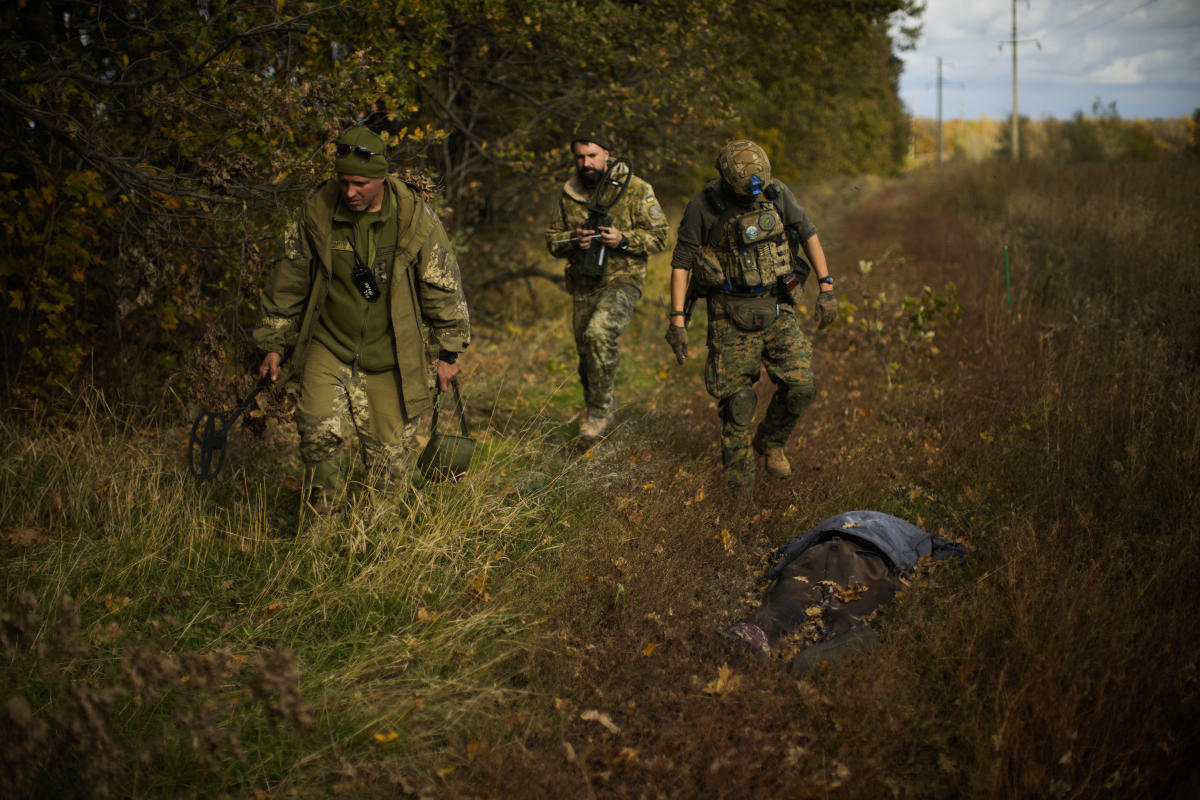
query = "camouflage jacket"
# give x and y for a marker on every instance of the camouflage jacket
(425, 297)
(636, 214)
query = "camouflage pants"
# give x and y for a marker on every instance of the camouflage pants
(735, 361)
(598, 319)
(337, 402)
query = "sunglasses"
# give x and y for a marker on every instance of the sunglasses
(361, 152)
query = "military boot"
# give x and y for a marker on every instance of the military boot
(778, 465)
(594, 426)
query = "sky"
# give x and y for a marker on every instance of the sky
(1144, 55)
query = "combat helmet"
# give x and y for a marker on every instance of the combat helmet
(745, 167)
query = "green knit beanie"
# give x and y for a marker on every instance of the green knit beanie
(594, 131)
(361, 152)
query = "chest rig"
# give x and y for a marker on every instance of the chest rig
(748, 243)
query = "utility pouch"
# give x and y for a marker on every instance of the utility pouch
(446, 456)
(752, 313)
(595, 258)
(364, 281)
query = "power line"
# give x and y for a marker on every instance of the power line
(1118, 19)
(1087, 13)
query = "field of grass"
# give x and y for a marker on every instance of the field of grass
(1016, 365)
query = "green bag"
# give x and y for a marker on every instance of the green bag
(446, 456)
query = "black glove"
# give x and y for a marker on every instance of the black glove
(826, 310)
(677, 338)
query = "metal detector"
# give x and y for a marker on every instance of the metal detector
(206, 445)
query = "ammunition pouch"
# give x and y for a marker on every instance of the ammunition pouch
(748, 312)
(750, 246)
(595, 259)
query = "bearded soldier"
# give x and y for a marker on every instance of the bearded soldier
(366, 287)
(607, 222)
(747, 245)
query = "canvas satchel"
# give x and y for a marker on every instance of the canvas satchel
(446, 456)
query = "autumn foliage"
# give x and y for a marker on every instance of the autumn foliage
(151, 147)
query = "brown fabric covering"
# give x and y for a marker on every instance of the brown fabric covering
(842, 580)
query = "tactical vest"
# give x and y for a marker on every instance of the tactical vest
(746, 249)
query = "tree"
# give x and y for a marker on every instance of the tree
(153, 147)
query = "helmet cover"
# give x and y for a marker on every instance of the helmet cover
(745, 167)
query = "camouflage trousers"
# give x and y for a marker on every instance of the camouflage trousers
(735, 361)
(598, 319)
(337, 402)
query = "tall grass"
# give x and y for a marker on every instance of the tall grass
(1064, 664)
(446, 640)
(161, 635)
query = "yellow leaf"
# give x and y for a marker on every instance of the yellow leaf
(649, 649)
(726, 540)
(726, 681)
(384, 738)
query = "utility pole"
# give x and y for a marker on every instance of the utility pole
(940, 84)
(1016, 119)
(939, 122)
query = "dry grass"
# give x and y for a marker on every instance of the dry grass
(546, 628)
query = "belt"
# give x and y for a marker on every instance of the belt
(719, 316)
(772, 292)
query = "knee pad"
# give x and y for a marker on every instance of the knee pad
(800, 397)
(739, 407)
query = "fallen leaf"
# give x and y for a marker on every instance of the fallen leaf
(726, 681)
(726, 540)
(384, 738)
(649, 649)
(593, 715)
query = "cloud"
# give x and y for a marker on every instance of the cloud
(1126, 71)
(1146, 56)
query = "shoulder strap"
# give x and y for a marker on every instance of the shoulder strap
(723, 210)
(462, 414)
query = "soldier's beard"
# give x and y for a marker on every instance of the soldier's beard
(589, 177)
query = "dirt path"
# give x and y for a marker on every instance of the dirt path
(648, 700)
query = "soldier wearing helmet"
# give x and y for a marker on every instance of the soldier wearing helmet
(747, 246)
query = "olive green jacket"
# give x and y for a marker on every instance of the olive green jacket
(637, 214)
(425, 295)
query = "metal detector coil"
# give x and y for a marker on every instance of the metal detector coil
(206, 444)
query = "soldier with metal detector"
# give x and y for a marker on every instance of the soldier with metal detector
(746, 245)
(366, 286)
(607, 222)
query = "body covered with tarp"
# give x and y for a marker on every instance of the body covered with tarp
(827, 584)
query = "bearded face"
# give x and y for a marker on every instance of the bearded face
(590, 162)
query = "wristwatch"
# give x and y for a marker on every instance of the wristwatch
(827, 280)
